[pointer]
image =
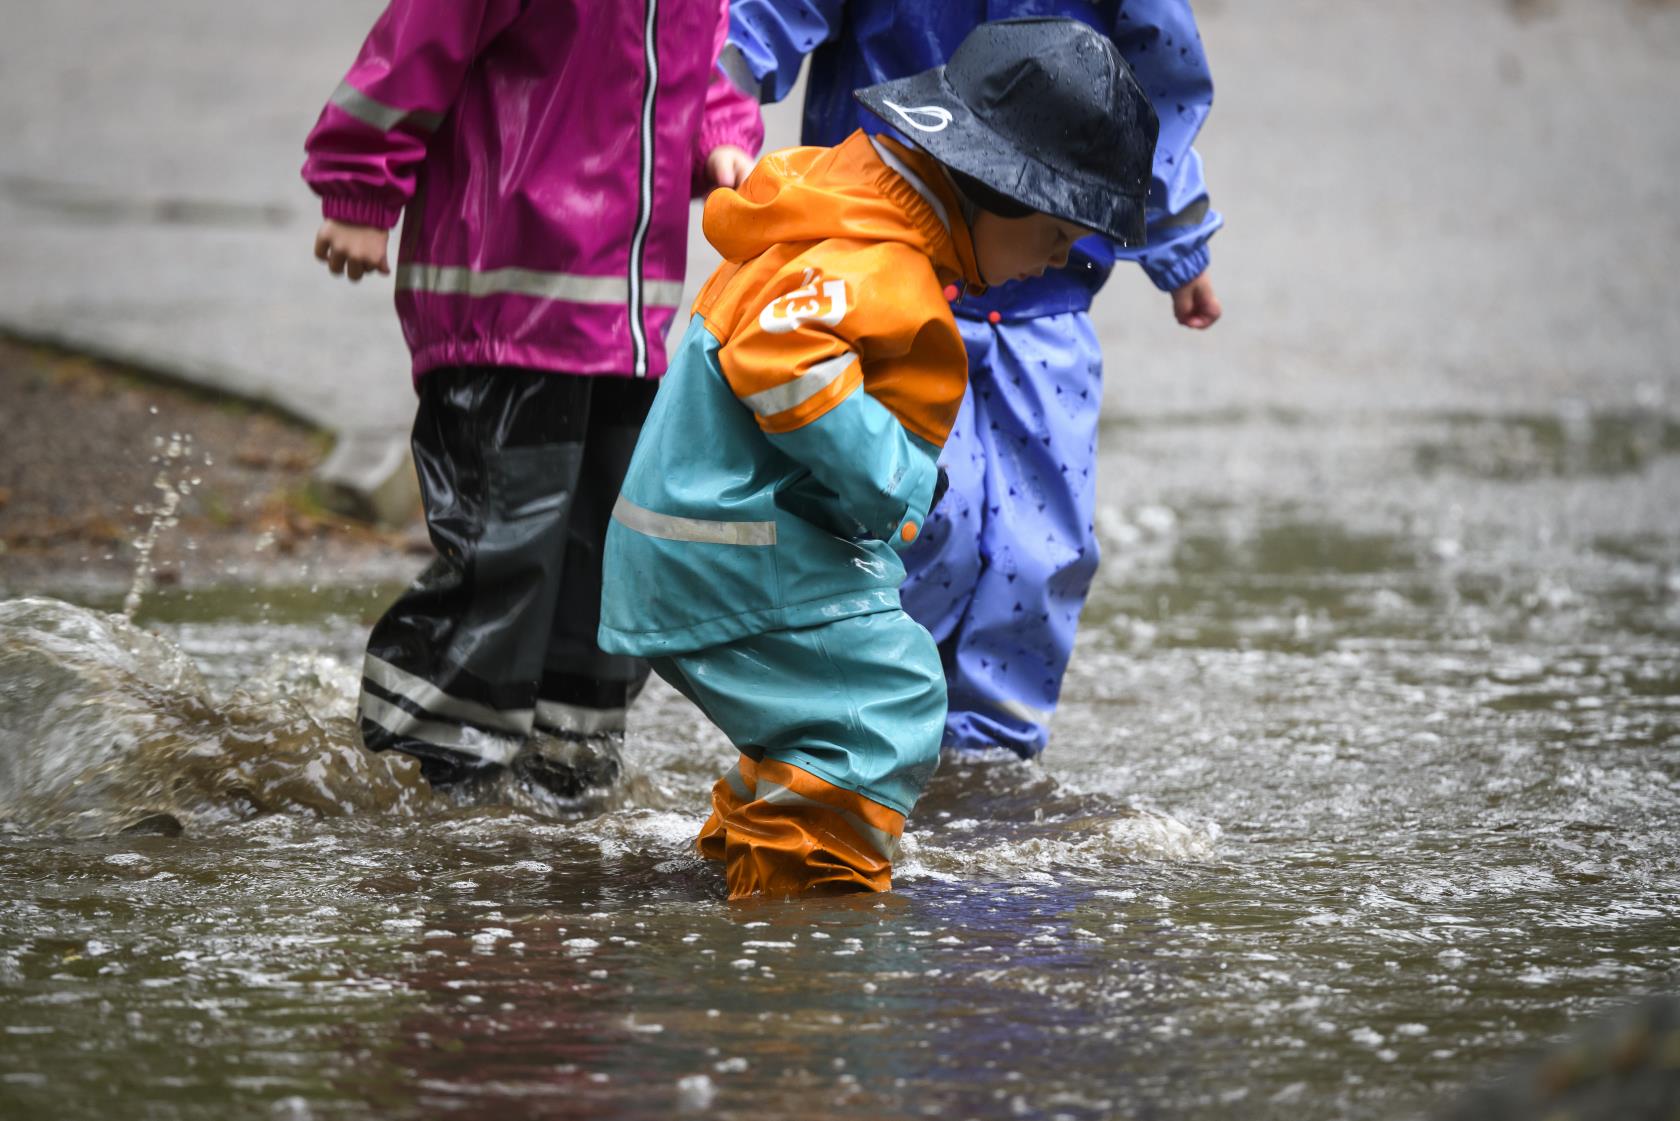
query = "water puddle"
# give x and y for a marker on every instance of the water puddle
(1572, 443)
(1365, 780)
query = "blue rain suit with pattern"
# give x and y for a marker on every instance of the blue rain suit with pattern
(1001, 573)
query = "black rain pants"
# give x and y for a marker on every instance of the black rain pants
(519, 470)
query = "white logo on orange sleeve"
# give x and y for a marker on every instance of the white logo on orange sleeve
(814, 301)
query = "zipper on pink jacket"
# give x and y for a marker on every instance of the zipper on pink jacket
(644, 215)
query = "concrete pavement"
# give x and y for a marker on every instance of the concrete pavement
(1467, 205)
(1463, 205)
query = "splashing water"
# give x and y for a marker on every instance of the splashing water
(161, 516)
(107, 726)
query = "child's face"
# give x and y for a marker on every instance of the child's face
(1013, 248)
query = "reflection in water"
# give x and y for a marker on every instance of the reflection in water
(1366, 779)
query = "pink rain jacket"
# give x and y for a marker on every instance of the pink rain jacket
(546, 152)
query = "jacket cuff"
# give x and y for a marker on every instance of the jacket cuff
(919, 484)
(746, 135)
(1171, 276)
(359, 212)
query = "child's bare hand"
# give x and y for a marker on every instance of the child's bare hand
(727, 165)
(353, 249)
(1195, 305)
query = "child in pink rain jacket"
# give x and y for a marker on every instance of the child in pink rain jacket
(543, 154)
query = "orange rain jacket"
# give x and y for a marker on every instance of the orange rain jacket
(791, 451)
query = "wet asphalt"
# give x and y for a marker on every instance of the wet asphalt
(1439, 205)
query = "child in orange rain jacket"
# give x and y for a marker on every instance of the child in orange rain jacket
(790, 454)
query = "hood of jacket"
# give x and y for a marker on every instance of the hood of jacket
(869, 189)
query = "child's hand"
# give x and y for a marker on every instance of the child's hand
(358, 249)
(1195, 305)
(727, 165)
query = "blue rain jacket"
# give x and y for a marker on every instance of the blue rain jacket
(856, 43)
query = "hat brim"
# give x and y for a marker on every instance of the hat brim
(925, 109)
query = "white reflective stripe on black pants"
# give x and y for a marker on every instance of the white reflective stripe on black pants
(518, 472)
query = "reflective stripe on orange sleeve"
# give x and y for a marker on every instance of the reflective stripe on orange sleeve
(820, 402)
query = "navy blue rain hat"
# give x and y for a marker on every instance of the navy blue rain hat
(1043, 111)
